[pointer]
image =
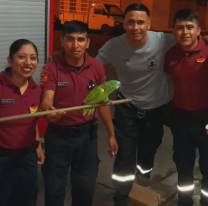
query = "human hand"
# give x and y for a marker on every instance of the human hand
(54, 117)
(114, 146)
(206, 128)
(41, 155)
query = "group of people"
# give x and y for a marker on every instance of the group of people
(143, 59)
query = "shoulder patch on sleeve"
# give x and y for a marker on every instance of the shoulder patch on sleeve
(43, 77)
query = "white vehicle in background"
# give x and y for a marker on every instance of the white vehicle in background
(103, 15)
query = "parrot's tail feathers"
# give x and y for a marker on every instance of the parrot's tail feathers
(88, 111)
(85, 111)
(91, 111)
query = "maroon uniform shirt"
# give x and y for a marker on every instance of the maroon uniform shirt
(71, 86)
(21, 133)
(189, 72)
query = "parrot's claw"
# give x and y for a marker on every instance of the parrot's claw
(110, 102)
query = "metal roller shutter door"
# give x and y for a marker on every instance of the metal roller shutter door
(23, 19)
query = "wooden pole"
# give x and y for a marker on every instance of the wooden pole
(69, 109)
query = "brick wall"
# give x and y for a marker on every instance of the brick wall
(175, 5)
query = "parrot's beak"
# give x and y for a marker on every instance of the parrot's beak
(118, 84)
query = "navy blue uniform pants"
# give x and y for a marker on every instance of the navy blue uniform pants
(138, 136)
(18, 180)
(188, 129)
(76, 147)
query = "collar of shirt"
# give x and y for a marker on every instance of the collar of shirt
(6, 78)
(63, 65)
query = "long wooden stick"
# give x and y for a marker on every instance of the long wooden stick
(69, 109)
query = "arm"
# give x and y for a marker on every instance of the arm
(47, 104)
(48, 85)
(47, 100)
(169, 80)
(104, 54)
(169, 41)
(170, 86)
(106, 117)
(39, 149)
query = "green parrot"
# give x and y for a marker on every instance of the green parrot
(100, 94)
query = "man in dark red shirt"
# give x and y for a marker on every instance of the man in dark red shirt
(187, 64)
(72, 139)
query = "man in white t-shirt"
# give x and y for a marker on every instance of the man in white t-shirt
(138, 57)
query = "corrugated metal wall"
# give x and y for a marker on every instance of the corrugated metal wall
(22, 19)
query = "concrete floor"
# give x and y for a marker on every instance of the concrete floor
(104, 188)
(163, 167)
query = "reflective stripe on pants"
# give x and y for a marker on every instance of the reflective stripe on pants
(123, 178)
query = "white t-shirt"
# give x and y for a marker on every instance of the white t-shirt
(140, 70)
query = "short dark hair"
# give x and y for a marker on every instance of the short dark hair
(186, 15)
(136, 7)
(75, 26)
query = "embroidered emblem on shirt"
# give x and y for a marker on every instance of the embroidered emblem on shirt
(43, 77)
(91, 85)
(201, 60)
(33, 109)
(63, 84)
(152, 64)
(173, 62)
(7, 101)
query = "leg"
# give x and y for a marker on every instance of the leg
(184, 158)
(84, 169)
(127, 132)
(202, 144)
(150, 140)
(24, 191)
(7, 175)
(58, 156)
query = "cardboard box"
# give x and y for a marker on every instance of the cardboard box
(150, 193)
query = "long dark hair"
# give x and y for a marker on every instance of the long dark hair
(16, 46)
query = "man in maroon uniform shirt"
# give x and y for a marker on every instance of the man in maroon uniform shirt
(72, 140)
(187, 65)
